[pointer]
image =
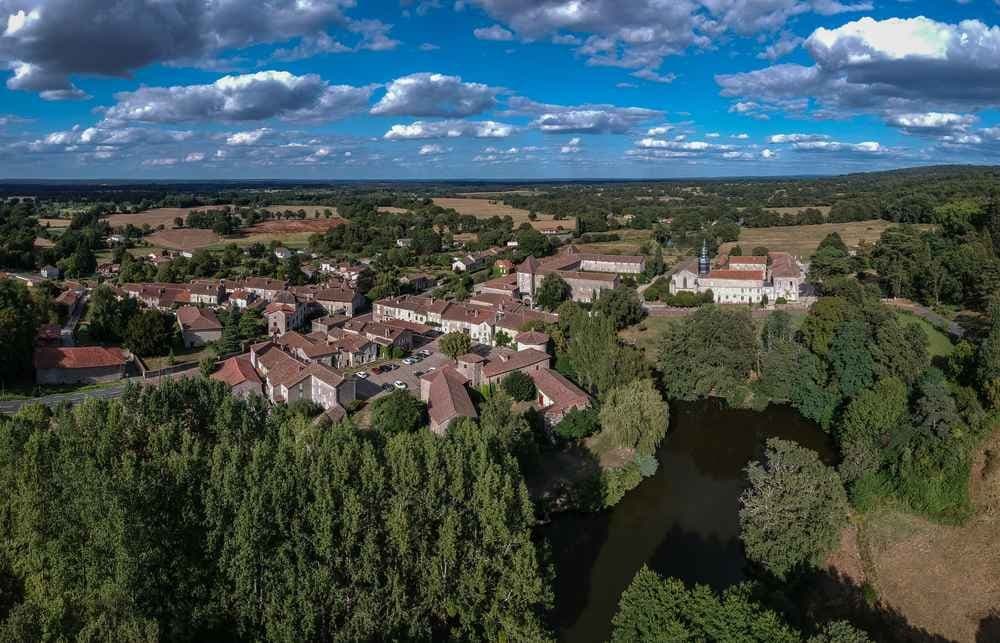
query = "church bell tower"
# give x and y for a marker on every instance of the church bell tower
(704, 264)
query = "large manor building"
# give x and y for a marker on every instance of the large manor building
(586, 274)
(742, 280)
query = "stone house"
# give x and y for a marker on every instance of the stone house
(79, 365)
(199, 326)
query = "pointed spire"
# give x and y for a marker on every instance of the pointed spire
(704, 264)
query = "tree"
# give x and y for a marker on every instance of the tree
(149, 333)
(455, 344)
(519, 386)
(935, 411)
(777, 330)
(792, 513)
(850, 358)
(596, 357)
(230, 342)
(251, 324)
(18, 327)
(901, 351)
(621, 305)
(398, 412)
(712, 352)
(578, 424)
(109, 317)
(868, 425)
(655, 610)
(502, 338)
(634, 416)
(553, 291)
(988, 363)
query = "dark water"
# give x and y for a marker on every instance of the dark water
(682, 522)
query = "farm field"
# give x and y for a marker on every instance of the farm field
(184, 239)
(485, 208)
(54, 223)
(630, 243)
(803, 240)
(312, 211)
(392, 209)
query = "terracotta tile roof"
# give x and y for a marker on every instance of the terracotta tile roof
(447, 397)
(512, 361)
(277, 306)
(342, 295)
(783, 266)
(469, 313)
(757, 261)
(738, 275)
(563, 393)
(235, 371)
(532, 337)
(264, 283)
(413, 303)
(584, 256)
(79, 357)
(321, 372)
(581, 275)
(195, 318)
(471, 358)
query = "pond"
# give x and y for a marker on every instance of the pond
(682, 522)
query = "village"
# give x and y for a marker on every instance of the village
(327, 344)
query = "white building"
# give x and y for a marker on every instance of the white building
(742, 280)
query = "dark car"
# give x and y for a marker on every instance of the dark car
(387, 387)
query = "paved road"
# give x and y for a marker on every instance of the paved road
(104, 393)
(954, 329)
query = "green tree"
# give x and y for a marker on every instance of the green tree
(655, 610)
(18, 327)
(901, 351)
(502, 338)
(870, 421)
(621, 305)
(230, 342)
(851, 360)
(988, 363)
(553, 291)
(251, 324)
(792, 513)
(398, 412)
(519, 386)
(578, 424)
(150, 333)
(712, 352)
(455, 344)
(597, 358)
(634, 416)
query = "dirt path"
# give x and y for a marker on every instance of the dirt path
(943, 580)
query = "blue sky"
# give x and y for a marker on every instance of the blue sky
(426, 89)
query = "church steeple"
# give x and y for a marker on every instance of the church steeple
(704, 263)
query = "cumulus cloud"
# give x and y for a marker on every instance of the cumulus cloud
(582, 119)
(888, 66)
(47, 42)
(252, 137)
(496, 32)
(786, 43)
(428, 94)
(249, 97)
(797, 138)
(932, 123)
(867, 147)
(574, 146)
(431, 150)
(639, 34)
(450, 129)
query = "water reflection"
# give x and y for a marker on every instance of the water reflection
(681, 522)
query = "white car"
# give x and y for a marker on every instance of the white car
(400, 384)
(409, 361)
(362, 375)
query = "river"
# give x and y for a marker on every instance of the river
(682, 522)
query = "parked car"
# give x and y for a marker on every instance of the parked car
(376, 370)
(386, 387)
(362, 375)
(400, 385)
(409, 361)
(424, 353)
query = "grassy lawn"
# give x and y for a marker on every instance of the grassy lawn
(803, 240)
(182, 356)
(630, 243)
(646, 334)
(29, 391)
(940, 345)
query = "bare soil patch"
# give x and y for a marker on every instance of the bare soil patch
(389, 209)
(291, 226)
(184, 239)
(153, 218)
(54, 223)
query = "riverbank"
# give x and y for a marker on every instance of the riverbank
(944, 580)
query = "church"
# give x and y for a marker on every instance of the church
(742, 280)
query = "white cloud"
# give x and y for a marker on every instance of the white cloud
(248, 138)
(582, 119)
(450, 129)
(574, 146)
(892, 66)
(259, 96)
(495, 32)
(767, 154)
(429, 94)
(194, 157)
(431, 150)
(49, 41)
(797, 138)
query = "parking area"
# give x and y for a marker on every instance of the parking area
(409, 374)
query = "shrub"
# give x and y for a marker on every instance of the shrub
(578, 424)
(519, 386)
